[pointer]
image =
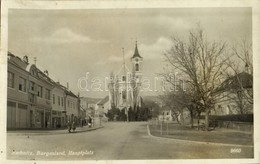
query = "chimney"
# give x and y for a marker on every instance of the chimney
(67, 86)
(46, 72)
(25, 59)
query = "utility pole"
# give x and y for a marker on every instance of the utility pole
(126, 109)
(35, 59)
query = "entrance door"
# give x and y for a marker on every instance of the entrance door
(11, 113)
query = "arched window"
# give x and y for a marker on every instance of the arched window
(136, 67)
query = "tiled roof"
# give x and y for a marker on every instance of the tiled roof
(70, 93)
(90, 100)
(243, 79)
(103, 101)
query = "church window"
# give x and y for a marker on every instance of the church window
(123, 95)
(123, 78)
(136, 67)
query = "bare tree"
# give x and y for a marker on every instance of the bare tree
(170, 102)
(241, 70)
(202, 63)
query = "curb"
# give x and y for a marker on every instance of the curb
(198, 142)
(53, 133)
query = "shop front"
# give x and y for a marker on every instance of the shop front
(42, 118)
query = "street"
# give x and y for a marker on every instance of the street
(116, 141)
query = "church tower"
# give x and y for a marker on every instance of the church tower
(137, 73)
(137, 64)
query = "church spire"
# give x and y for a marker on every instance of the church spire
(136, 54)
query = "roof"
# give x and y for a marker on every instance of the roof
(235, 82)
(103, 101)
(90, 100)
(17, 61)
(67, 92)
(136, 54)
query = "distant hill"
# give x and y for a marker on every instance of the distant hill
(91, 100)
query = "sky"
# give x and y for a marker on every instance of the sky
(71, 43)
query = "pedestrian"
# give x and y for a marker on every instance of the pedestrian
(69, 126)
(89, 122)
(73, 126)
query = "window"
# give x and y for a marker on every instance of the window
(32, 85)
(68, 103)
(59, 100)
(22, 106)
(11, 104)
(39, 91)
(32, 98)
(10, 80)
(124, 95)
(22, 84)
(47, 94)
(136, 67)
(53, 98)
(123, 78)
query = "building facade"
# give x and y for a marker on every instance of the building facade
(18, 106)
(125, 86)
(58, 106)
(72, 106)
(233, 95)
(34, 100)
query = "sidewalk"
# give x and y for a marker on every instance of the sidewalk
(51, 131)
(219, 136)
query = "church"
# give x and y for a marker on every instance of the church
(125, 85)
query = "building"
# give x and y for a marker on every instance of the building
(40, 88)
(58, 105)
(89, 105)
(103, 106)
(19, 113)
(34, 100)
(232, 95)
(72, 106)
(125, 86)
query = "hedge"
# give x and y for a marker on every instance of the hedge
(237, 118)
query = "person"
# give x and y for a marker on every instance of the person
(89, 122)
(69, 126)
(73, 126)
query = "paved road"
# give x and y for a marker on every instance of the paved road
(115, 141)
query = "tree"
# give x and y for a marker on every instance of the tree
(202, 63)
(241, 71)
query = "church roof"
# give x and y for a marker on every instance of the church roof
(242, 79)
(136, 54)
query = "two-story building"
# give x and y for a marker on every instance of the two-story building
(72, 106)
(40, 88)
(58, 105)
(19, 113)
(34, 100)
